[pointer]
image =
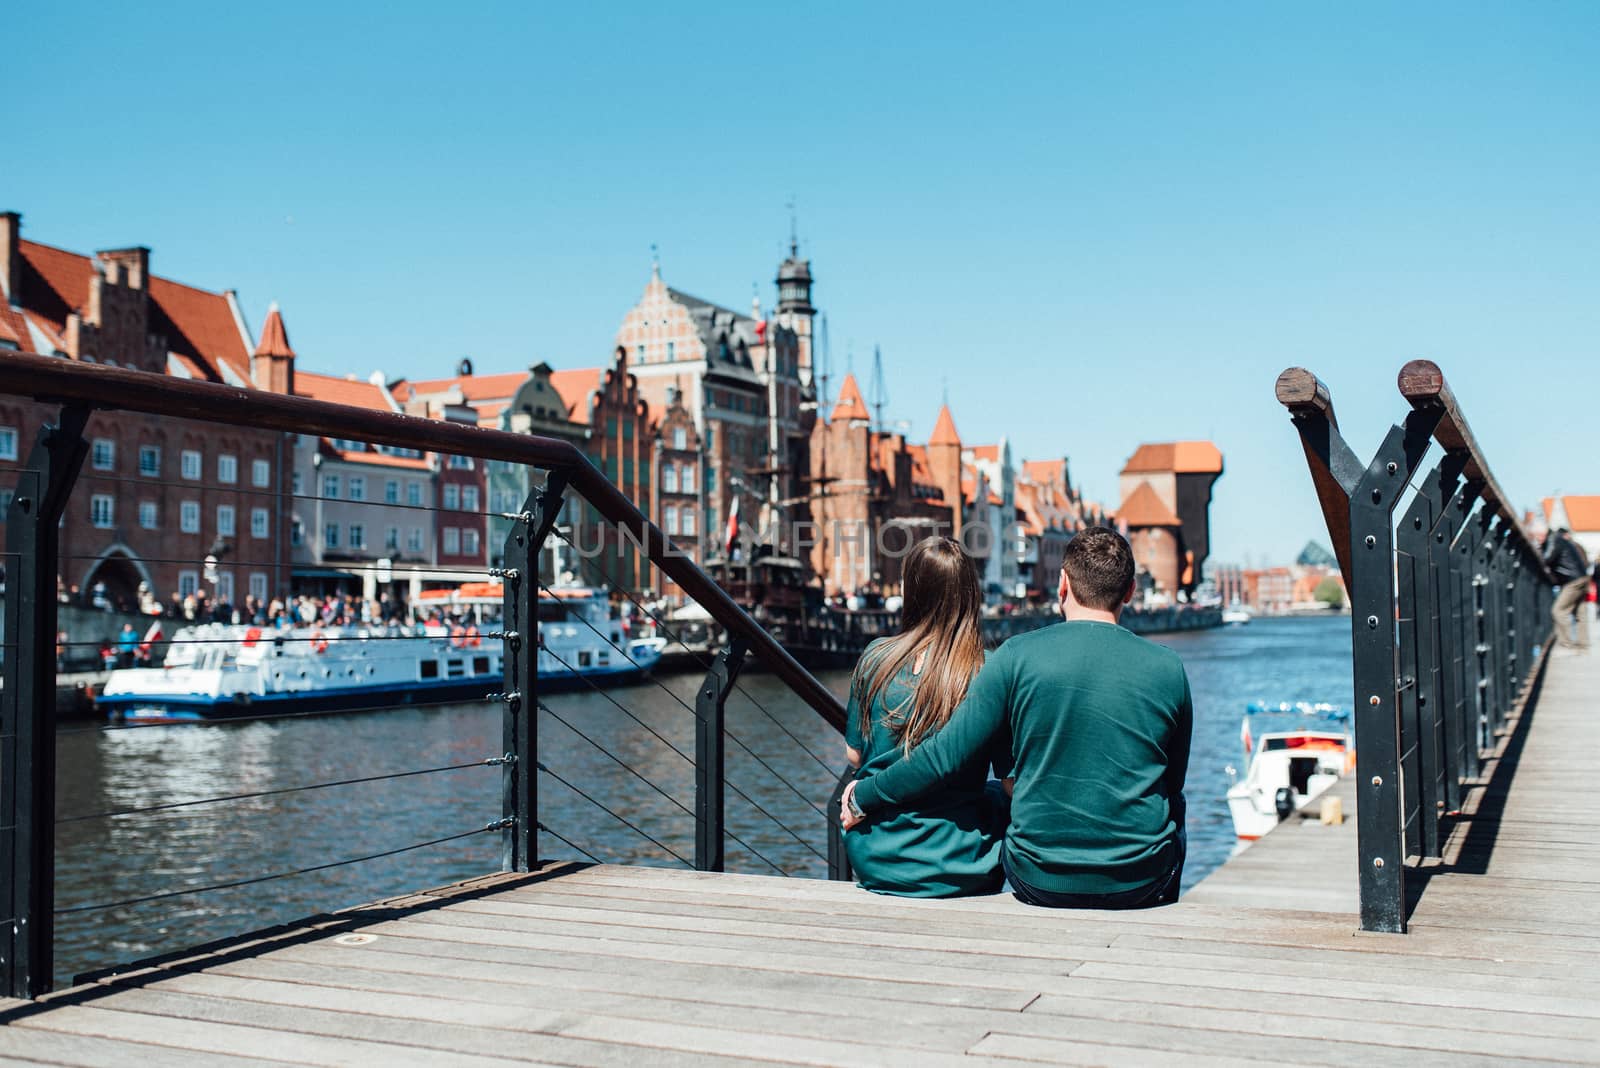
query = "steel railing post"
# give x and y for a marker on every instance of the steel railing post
(710, 756)
(519, 850)
(838, 857)
(27, 706)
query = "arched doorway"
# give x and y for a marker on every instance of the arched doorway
(120, 572)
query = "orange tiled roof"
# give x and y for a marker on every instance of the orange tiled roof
(944, 429)
(274, 338)
(374, 458)
(574, 388)
(1144, 509)
(335, 390)
(1183, 457)
(1583, 513)
(986, 452)
(197, 323)
(1044, 471)
(473, 387)
(850, 405)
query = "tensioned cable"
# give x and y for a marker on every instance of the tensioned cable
(225, 562)
(634, 827)
(270, 636)
(495, 826)
(545, 827)
(704, 662)
(687, 708)
(664, 741)
(265, 716)
(686, 810)
(485, 763)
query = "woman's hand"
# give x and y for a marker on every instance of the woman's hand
(847, 811)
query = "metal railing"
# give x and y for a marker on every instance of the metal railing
(1450, 614)
(46, 475)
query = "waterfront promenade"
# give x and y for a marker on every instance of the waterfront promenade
(1261, 962)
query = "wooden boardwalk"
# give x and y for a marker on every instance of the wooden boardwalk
(616, 965)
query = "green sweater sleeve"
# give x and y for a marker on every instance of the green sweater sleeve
(971, 728)
(1178, 758)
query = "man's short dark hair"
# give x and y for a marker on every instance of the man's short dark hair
(1099, 565)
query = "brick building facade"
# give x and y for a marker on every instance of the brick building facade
(156, 493)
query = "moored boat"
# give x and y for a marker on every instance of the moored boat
(1290, 764)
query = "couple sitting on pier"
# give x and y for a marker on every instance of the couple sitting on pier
(1086, 726)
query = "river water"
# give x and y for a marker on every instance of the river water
(107, 859)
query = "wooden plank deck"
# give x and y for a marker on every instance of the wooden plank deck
(606, 965)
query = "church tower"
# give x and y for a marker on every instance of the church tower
(795, 310)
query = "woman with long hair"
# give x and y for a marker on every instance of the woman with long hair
(905, 689)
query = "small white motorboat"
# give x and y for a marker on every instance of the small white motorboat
(1288, 765)
(1237, 615)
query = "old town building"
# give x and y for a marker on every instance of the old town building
(1165, 510)
(157, 494)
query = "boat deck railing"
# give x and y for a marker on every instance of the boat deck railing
(1450, 612)
(785, 785)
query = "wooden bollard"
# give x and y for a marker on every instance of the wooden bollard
(1332, 811)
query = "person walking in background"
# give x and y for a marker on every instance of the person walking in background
(1570, 567)
(902, 693)
(127, 644)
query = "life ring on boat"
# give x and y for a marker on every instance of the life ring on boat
(319, 641)
(473, 638)
(252, 636)
(458, 636)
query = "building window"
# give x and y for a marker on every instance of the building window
(461, 463)
(669, 478)
(297, 531)
(189, 464)
(391, 539)
(391, 492)
(150, 461)
(414, 540)
(260, 476)
(469, 498)
(294, 483)
(358, 536)
(104, 454)
(711, 480)
(452, 541)
(259, 522)
(148, 516)
(225, 526)
(469, 542)
(189, 517)
(224, 587)
(330, 536)
(672, 519)
(686, 485)
(672, 351)
(102, 510)
(414, 494)
(452, 497)
(227, 469)
(258, 585)
(8, 443)
(680, 438)
(638, 354)
(686, 524)
(330, 487)
(358, 488)
(188, 583)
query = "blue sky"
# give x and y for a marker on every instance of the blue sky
(1100, 223)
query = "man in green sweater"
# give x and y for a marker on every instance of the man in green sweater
(1099, 721)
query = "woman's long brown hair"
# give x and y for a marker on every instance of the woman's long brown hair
(940, 616)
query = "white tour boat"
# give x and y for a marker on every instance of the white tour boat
(216, 671)
(1289, 765)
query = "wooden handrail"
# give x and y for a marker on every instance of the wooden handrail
(59, 380)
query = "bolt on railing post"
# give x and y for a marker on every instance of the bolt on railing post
(27, 706)
(710, 756)
(519, 849)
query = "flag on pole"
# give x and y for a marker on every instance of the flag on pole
(151, 636)
(1244, 735)
(733, 530)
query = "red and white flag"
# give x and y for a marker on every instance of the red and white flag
(1244, 735)
(733, 530)
(151, 636)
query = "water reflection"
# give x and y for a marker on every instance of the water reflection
(111, 859)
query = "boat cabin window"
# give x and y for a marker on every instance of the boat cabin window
(585, 658)
(480, 665)
(430, 669)
(552, 612)
(455, 669)
(1300, 771)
